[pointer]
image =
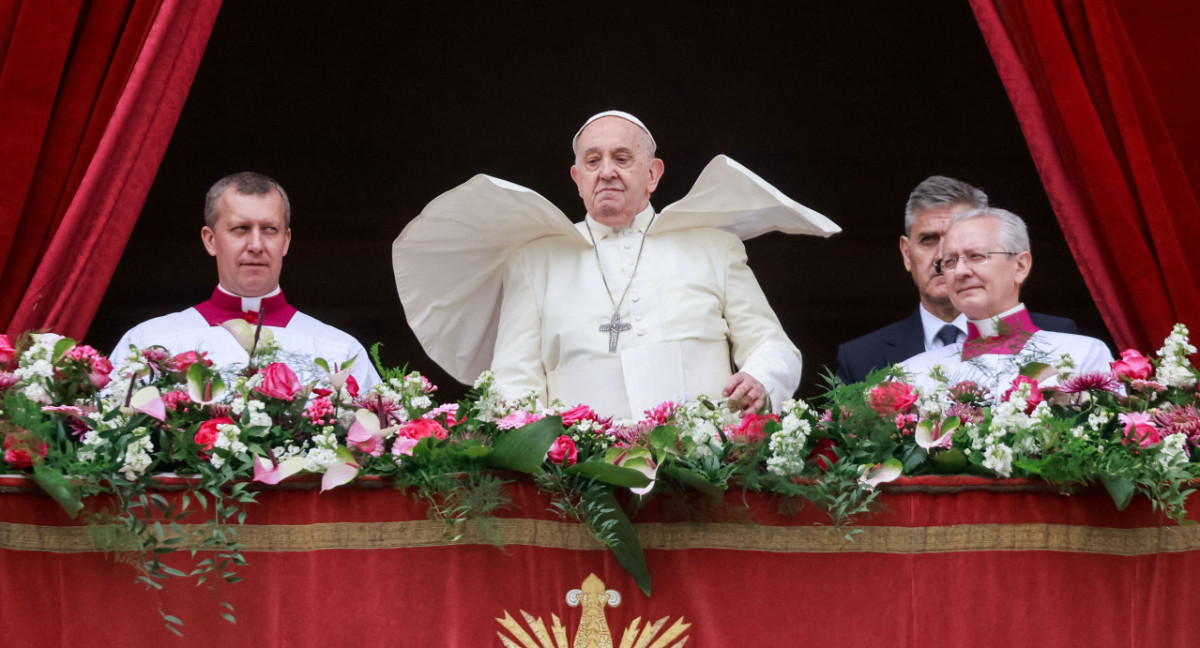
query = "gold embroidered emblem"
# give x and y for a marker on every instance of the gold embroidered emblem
(593, 625)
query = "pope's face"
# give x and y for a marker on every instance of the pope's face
(922, 247)
(249, 241)
(614, 170)
(986, 289)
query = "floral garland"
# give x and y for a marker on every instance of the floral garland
(80, 428)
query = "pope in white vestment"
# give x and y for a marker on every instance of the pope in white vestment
(622, 311)
(692, 305)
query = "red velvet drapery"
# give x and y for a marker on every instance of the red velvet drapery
(1108, 159)
(89, 95)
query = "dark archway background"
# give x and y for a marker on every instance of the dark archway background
(366, 111)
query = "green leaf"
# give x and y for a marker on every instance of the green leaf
(664, 437)
(1121, 490)
(609, 474)
(57, 486)
(627, 550)
(690, 478)
(476, 452)
(524, 448)
(950, 461)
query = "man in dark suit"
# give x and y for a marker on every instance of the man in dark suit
(936, 322)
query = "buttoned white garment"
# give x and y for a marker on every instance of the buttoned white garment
(695, 310)
(996, 371)
(301, 341)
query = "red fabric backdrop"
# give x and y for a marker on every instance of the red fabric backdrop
(89, 95)
(1109, 161)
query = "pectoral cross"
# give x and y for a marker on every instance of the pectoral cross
(614, 328)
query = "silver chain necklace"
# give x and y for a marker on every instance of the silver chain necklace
(615, 326)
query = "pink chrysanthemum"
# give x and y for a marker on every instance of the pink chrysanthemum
(1089, 381)
(1180, 419)
(967, 413)
(968, 391)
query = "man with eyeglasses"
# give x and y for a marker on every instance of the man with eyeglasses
(935, 322)
(985, 259)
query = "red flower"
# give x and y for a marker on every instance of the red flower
(7, 352)
(1035, 394)
(824, 454)
(207, 435)
(1132, 366)
(421, 428)
(751, 428)
(352, 386)
(563, 452)
(892, 397)
(278, 382)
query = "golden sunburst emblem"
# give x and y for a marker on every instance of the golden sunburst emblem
(592, 631)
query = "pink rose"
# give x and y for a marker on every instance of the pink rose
(1035, 394)
(7, 352)
(207, 435)
(1132, 366)
(563, 452)
(19, 449)
(278, 382)
(184, 361)
(892, 397)
(1139, 428)
(751, 428)
(421, 428)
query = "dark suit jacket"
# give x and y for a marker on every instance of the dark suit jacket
(902, 340)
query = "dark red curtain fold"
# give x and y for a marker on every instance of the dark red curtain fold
(1107, 158)
(89, 95)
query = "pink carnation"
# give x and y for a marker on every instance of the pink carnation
(892, 397)
(1139, 428)
(517, 419)
(751, 428)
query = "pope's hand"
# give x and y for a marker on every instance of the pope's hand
(745, 393)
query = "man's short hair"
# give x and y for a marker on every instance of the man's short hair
(247, 183)
(941, 191)
(1014, 236)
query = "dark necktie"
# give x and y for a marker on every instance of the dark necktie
(948, 334)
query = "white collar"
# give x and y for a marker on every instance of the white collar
(251, 303)
(990, 326)
(931, 324)
(638, 225)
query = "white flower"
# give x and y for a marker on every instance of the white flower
(1173, 451)
(998, 458)
(137, 458)
(1098, 419)
(787, 447)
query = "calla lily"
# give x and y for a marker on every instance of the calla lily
(204, 385)
(337, 379)
(1039, 371)
(365, 433)
(269, 473)
(930, 434)
(243, 332)
(882, 473)
(147, 400)
(341, 472)
(639, 459)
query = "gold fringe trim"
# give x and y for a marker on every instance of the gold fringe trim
(677, 536)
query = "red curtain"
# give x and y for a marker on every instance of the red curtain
(1108, 159)
(89, 95)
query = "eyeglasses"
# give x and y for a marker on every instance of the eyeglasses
(972, 260)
